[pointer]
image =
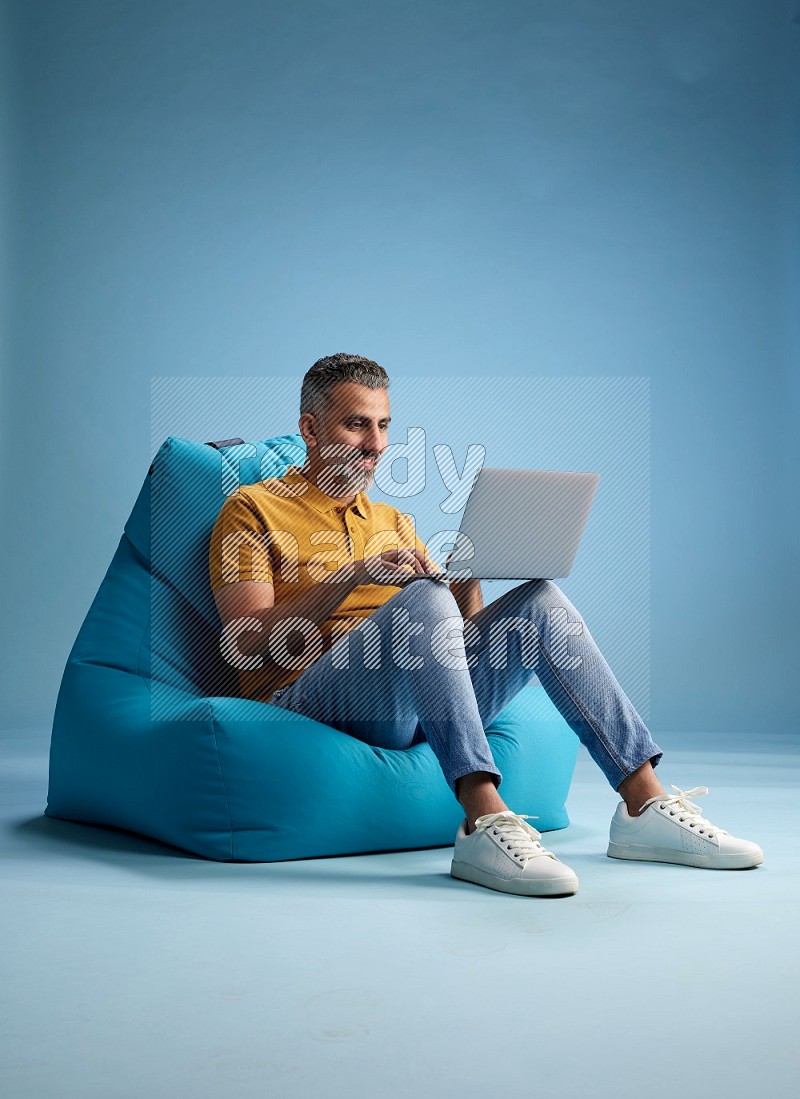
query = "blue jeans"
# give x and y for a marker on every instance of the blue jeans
(416, 670)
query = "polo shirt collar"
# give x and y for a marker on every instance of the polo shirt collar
(319, 499)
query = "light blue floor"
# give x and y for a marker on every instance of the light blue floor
(131, 971)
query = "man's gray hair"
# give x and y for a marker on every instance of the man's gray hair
(326, 373)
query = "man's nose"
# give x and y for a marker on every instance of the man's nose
(373, 441)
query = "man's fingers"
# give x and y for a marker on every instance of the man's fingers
(428, 566)
(391, 567)
(411, 558)
(396, 566)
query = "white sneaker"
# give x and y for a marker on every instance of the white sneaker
(504, 853)
(671, 829)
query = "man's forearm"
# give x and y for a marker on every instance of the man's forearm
(314, 605)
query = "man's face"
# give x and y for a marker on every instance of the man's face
(352, 435)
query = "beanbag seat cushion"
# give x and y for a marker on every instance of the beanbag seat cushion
(150, 734)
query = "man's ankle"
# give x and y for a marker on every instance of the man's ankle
(639, 787)
(478, 795)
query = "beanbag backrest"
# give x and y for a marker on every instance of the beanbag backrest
(188, 485)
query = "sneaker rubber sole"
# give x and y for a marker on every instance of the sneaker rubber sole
(640, 853)
(523, 887)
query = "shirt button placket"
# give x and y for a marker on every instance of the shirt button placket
(342, 513)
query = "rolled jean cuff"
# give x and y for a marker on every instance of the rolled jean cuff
(497, 776)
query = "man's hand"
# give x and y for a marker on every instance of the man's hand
(394, 567)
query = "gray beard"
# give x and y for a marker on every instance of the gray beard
(333, 484)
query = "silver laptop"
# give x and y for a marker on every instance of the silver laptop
(523, 524)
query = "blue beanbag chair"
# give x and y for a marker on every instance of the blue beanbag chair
(150, 735)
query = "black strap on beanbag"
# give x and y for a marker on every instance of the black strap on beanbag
(225, 442)
(216, 443)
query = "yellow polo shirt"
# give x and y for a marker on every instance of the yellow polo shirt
(287, 532)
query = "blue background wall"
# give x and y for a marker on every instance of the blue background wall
(466, 190)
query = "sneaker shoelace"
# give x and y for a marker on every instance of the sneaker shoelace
(686, 810)
(520, 840)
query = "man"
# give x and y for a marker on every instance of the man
(292, 613)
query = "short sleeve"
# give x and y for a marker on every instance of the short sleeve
(240, 545)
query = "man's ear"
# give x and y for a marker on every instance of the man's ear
(308, 428)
